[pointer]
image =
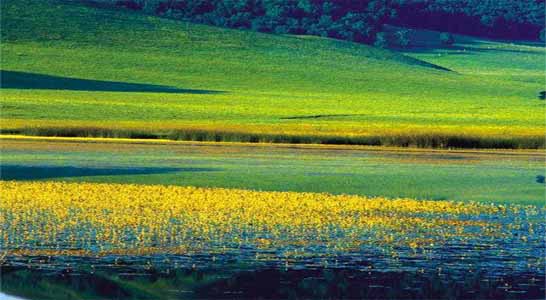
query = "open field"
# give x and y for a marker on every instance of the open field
(71, 70)
(149, 158)
(490, 176)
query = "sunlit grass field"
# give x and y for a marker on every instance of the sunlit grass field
(486, 176)
(80, 71)
(83, 217)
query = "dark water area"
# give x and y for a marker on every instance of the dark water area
(229, 276)
(509, 266)
(21, 172)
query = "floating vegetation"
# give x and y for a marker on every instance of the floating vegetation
(138, 229)
(97, 219)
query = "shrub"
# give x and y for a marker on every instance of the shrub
(402, 38)
(381, 40)
(447, 39)
(133, 5)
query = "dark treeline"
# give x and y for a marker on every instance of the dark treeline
(508, 19)
(351, 20)
(356, 20)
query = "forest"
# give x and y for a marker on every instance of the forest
(358, 21)
(504, 19)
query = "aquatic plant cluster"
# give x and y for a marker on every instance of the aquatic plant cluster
(58, 218)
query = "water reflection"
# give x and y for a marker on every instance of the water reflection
(236, 275)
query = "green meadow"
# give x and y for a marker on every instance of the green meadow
(74, 70)
(509, 177)
(79, 71)
(93, 94)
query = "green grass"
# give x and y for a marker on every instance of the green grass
(79, 71)
(491, 177)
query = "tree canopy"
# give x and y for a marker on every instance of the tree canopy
(509, 19)
(358, 21)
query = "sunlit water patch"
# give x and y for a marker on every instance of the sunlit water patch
(389, 247)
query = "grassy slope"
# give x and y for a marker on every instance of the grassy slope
(365, 95)
(499, 177)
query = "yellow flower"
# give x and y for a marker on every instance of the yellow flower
(95, 219)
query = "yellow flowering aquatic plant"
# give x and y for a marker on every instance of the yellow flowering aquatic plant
(59, 218)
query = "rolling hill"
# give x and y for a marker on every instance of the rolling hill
(74, 70)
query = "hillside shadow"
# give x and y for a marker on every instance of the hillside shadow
(462, 49)
(24, 80)
(20, 172)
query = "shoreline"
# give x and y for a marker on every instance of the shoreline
(137, 141)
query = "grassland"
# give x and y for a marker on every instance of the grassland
(71, 70)
(149, 217)
(488, 176)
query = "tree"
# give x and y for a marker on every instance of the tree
(381, 40)
(403, 39)
(352, 20)
(521, 19)
(447, 39)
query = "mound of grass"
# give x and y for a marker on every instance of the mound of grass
(72, 70)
